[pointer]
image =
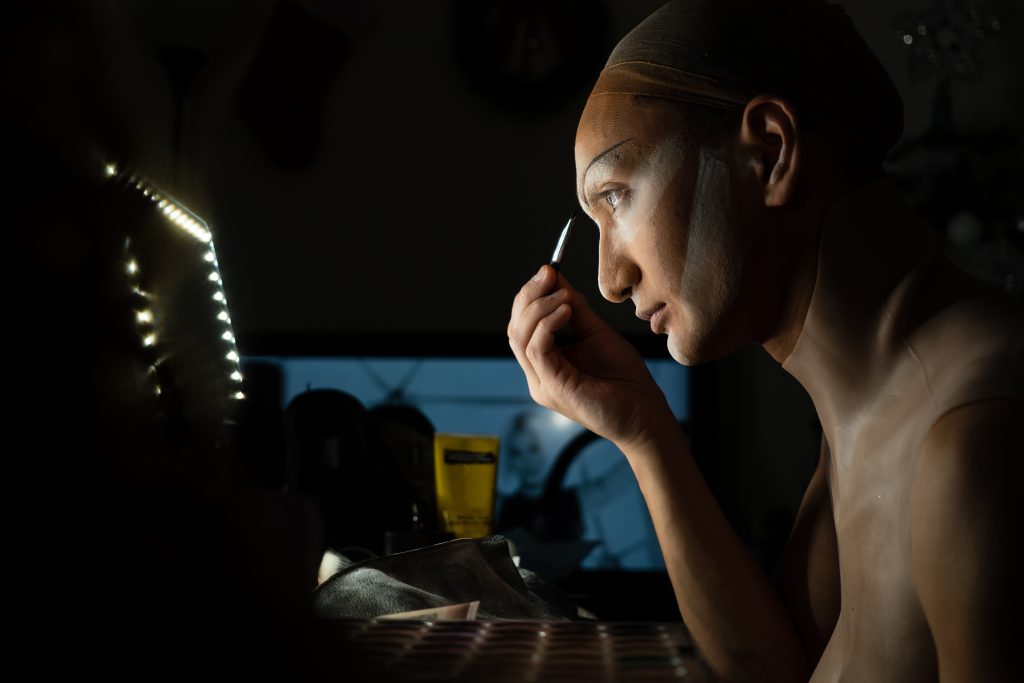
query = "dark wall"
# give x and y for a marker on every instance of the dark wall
(364, 171)
(398, 189)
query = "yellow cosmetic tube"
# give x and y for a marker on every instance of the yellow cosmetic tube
(465, 473)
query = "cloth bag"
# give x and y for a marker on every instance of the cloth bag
(448, 573)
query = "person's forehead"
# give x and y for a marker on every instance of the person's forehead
(609, 120)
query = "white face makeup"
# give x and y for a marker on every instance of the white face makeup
(633, 184)
(711, 262)
(663, 208)
(709, 212)
(625, 190)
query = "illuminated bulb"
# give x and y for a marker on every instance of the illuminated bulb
(237, 376)
(133, 267)
(218, 296)
(161, 204)
(239, 395)
(209, 257)
(144, 316)
(157, 390)
(223, 315)
(232, 356)
(214, 276)
(227, 336)
(149, 340)
(110, 169)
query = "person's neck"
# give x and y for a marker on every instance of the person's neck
(801, 258)
(870, 248)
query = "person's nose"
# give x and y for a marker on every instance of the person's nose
(617, 273)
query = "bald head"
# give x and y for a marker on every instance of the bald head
(721, 53)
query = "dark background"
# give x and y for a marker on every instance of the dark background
(399, 169)
(401, 166)
(395, 171)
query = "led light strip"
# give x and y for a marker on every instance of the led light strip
(196, 227)
(144, 318)
(174, 210)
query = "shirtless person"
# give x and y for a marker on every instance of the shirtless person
(730, 156)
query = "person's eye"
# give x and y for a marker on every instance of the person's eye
(614, 197)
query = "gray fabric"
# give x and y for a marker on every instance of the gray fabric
(805, 50)
(444, 574)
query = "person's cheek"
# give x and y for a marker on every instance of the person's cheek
(662, 236)
(708, 266)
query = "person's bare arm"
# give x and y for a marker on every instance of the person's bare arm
(965, 540)
(808, 573)
(729, 605)
(731, 608)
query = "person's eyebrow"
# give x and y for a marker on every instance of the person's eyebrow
(598, 158)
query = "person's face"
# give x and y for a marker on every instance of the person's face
(669, 228)
(526, 456)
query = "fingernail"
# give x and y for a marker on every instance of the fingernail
(539, 275)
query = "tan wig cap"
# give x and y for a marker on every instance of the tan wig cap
(721, 53)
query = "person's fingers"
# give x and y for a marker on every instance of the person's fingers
(585, 322)
(532, 381)
(542, 283)
(534, 306)
(522, 327)
(545, 358)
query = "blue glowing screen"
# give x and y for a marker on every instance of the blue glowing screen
(490, 396)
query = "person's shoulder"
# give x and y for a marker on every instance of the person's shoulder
(969, 451)
(971, 348)
(971, 432)
(964, 538)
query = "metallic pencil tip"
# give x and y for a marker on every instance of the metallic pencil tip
(563, 240)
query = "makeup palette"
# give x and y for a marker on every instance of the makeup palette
(497, 651)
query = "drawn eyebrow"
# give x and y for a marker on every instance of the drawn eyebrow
(597, 159)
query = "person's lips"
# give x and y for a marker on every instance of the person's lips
(653, 315)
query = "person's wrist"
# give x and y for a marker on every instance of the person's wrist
(654, 436)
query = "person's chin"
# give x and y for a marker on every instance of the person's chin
(678, 350)
(689, 349)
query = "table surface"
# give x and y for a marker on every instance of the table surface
(496, 651)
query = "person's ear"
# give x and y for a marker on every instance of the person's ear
(768, 140)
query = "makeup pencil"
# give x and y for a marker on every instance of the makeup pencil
(563, 240)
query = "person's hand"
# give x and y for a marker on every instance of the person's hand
(598, 380)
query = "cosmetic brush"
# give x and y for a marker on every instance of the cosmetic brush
(564, 336)
(563, 241)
